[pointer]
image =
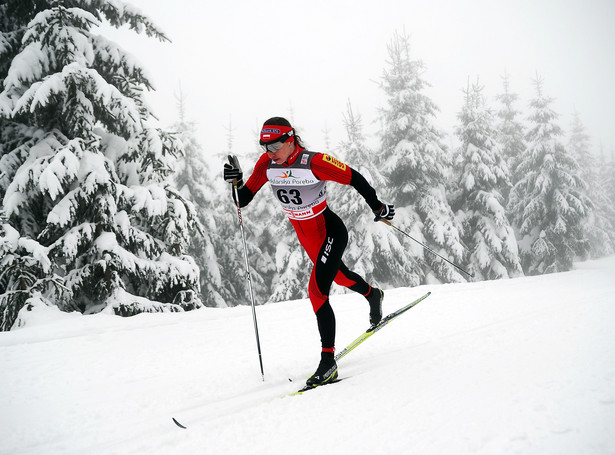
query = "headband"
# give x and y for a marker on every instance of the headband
(275, 133)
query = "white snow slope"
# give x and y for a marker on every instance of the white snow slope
(523, 366)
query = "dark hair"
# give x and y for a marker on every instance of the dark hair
(281, 121)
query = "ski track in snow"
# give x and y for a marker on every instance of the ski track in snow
(523, 366)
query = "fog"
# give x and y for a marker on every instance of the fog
(239, 62)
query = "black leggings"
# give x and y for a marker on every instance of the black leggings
(326, 266)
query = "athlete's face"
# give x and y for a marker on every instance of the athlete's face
(281, 155)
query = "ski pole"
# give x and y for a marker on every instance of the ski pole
(248, 276)
(388, 223)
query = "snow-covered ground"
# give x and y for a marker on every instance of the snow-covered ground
(523, 366)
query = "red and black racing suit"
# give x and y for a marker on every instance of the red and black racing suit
(299, 186)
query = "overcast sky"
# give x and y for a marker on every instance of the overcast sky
(243, 61)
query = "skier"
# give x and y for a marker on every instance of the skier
(297, 177)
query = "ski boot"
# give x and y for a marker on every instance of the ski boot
(375, 298)
(326, 371)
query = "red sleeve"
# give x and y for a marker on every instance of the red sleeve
(326, 167)
(259, 175)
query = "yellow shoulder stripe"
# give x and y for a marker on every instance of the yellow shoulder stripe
(334, 161)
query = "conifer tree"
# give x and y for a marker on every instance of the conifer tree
(88, 176)
(599, 228)
(370, 245)
(26, 278)
(326, 136)
(195, 180)
(548, 204)
(480, 205)
(416, 162)
(606, 176)
(510, 130)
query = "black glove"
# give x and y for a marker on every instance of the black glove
(233, 172)
(387, 211)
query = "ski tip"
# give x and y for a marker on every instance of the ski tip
(178, 424)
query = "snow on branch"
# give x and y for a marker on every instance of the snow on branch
(120, 113)
(120, 13)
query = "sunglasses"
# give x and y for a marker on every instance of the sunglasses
(273, 147)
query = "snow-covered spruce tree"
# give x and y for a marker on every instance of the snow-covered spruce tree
(26, 277)
(489, 237)
(88, 177)
(510, 130)
(415, 165)
(598, 225)
(548, 204)
(367, 239)
(352, 210)
(25, 274)
(195, 180)
(606, 176)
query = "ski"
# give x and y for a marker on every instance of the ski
(364, 336)
(375, 328)
(307, 387)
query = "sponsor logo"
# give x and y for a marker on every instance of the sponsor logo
(301, 213)
(328, 246)
(287, 175)
(283, 179)
(295, 181)
(306, 211)
(270, 130)
(334, 161)
(304, 158)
